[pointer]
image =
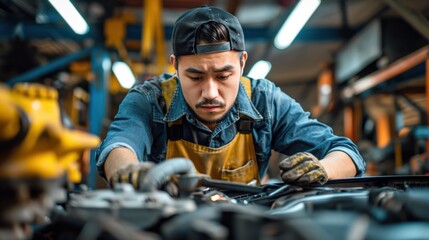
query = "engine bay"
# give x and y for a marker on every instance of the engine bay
(387, 207)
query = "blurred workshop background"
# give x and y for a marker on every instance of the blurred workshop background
(360, 66)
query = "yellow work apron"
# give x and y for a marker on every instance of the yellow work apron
(236, 161)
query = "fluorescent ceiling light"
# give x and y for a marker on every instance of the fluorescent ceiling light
(294, 23)
(260, 69)
(124, 74)
(70, 14)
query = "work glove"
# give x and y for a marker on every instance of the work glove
(135, 174)
(302, 168)
(132, 173)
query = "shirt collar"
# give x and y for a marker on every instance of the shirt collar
(245, 106)
(178, 106)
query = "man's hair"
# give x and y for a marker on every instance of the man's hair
(212, 32)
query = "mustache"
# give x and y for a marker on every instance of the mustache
(210, 102)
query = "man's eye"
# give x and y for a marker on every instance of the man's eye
(223, 77)
(196, 78)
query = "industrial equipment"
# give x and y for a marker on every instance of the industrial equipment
(38, 157)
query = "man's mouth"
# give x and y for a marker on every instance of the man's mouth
(208, 104)
(210, 108)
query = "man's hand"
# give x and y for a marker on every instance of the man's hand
(133, 173)
(302, 168)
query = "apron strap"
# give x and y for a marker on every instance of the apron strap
(175, 130)
(245, 125)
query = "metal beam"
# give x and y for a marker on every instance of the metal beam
(98, 93)
(398, 67)
(413, 17)
(52, 66)
(252, 34)
(258, 34)
(30, 30)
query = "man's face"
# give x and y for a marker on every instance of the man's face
(210, 82)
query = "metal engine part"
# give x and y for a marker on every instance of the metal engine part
(141, 209)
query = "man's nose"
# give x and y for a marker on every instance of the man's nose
(210, 89)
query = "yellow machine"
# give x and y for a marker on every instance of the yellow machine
(36, 154)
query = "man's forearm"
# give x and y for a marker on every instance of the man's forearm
(338, 165)
(118, 158)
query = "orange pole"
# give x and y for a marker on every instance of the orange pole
(383, 130)
(427, 100)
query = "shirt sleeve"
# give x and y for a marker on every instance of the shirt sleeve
(131, 128)
(294, 131)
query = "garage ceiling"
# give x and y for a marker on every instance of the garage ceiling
(33, 34)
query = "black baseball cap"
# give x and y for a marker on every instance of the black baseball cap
(186, 27)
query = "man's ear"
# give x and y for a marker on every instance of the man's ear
(173, 61)
(243, 61)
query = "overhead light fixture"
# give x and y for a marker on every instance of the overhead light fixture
(260, 69)
(294, 23)
(124, 74)
(70, 14)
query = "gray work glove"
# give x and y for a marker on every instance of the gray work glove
(136, 173)
(302, 168)
(132, 173)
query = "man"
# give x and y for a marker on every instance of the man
(225, 123)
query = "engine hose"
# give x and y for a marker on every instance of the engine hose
(160, 174)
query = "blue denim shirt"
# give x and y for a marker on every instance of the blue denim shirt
(280, 124)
